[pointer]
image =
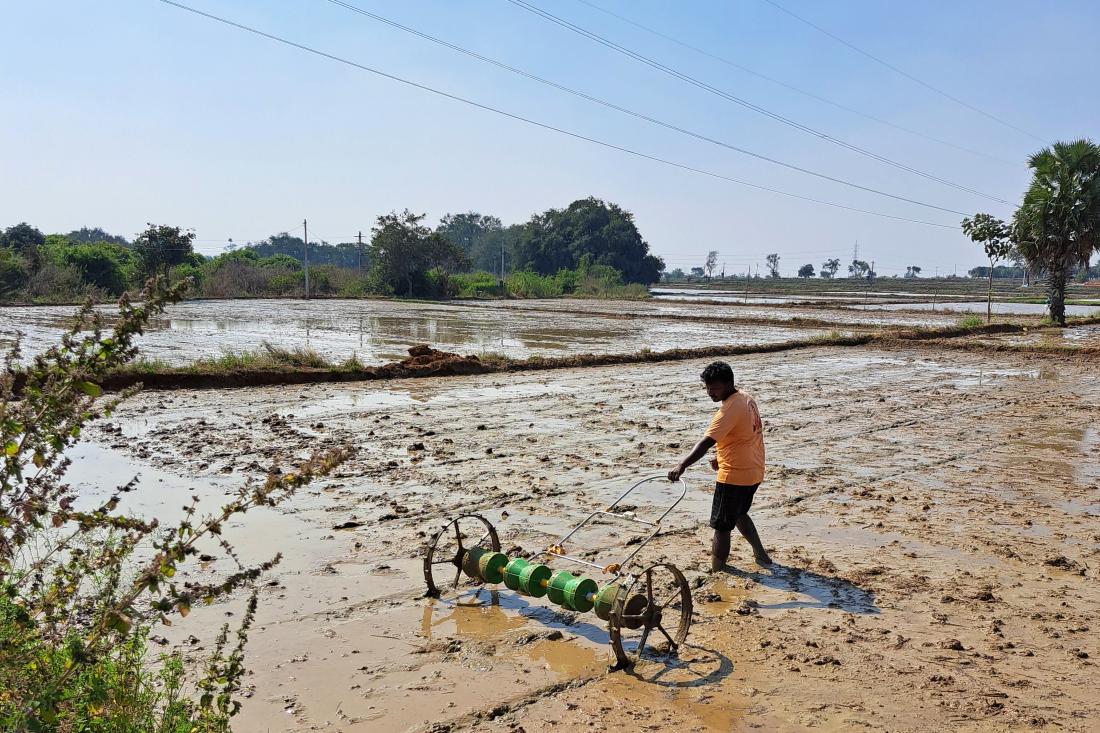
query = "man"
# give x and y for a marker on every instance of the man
(737, 431)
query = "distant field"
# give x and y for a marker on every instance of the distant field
(943, 287)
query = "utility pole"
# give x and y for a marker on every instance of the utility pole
(360, 251)
(871, 274)
(502, 262)
(305, 247)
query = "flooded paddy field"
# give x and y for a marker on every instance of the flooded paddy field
(733, 312)
(933, 518)
(379, 331)
(1024, 309)
(1070, 337)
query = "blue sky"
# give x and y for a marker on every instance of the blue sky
(131, 111)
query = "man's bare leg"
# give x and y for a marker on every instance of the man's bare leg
(748, 531)
(719, 550)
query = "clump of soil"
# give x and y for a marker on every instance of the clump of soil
(423, 359)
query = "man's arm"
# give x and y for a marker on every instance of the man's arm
(697, 452)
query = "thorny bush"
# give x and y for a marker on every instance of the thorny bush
(82, 588)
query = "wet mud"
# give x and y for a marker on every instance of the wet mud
(932, 514)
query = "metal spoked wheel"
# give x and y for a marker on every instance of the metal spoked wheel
(651, 615)
(448, 547)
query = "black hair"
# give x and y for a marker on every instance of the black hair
(717, 371)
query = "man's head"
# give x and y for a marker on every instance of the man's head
(718, 378)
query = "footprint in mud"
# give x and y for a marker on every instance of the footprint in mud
(821, 591)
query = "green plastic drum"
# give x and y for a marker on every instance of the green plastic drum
(471, 562)
(491, 566)
(512, 572)
(605, 600)
(580, 594)
(556, 590)
(531, 579)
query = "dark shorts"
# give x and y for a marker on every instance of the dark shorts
(730, 504)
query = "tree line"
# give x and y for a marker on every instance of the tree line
(403, 256)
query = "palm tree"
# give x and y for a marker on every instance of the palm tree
(1058, 223)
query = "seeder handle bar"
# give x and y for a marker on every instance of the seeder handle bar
(556, 551)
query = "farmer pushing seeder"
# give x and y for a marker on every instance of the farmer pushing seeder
(641, 606)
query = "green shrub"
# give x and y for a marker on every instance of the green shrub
(100, 264)
(970, 321)
(532, 285)
(281, 261)
(567, 280)
(286, 283)
(355, 287)
(13, 272)
(321, 279)
(188, 272)
(476, 285)
(52, 283)
(80, 589)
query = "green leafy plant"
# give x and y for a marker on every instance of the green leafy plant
(996, 239)
(82, 586)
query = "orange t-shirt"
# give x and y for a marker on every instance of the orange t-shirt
(739, 435)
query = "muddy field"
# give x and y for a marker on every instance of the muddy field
(379, 331)
(934, 517)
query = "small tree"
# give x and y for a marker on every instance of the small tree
(711, 263)
(912, 271)
(806, 271)
(829, 268)
(160, 247)
(996, 239)
(772, 261)
(858, 269)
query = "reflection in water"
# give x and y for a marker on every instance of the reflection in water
(376, 332)
(481, 618)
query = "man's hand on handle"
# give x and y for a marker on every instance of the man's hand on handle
(697, 452)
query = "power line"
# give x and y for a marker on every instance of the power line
(906, 74)
(744, 102)
(633, 113)
(543, 125)
(793, 88)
